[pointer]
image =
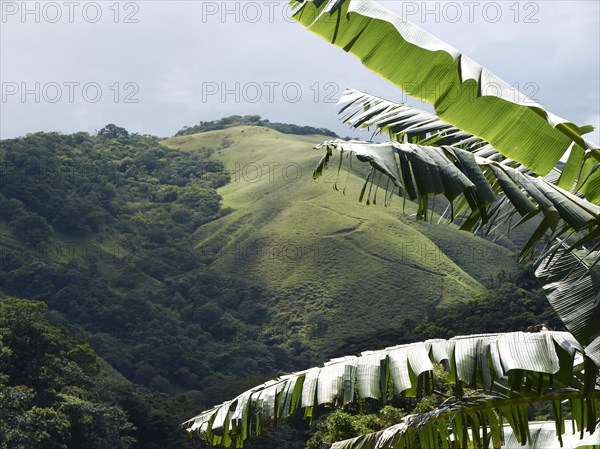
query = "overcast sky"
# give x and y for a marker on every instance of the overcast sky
(154, 67)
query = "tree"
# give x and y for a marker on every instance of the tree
(31, 228)
(495, 155)
(49, 398)
(111, 131)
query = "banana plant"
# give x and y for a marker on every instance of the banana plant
(492, 153)
(463, 93)
(428, 157)
(515, 142)
(508, 371)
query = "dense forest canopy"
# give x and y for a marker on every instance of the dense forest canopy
(102, 229)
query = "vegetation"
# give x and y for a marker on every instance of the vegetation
(489, 154)
(113, 256)
(144, 287)
(253, 120)
(55, 393)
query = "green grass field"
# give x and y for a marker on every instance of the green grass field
(332, 267)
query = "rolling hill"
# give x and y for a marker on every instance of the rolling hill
(331, 269)
(209, 257)
(203, 264)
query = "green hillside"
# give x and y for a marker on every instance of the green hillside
(100, 228)
(321, 255)
(204, 258)
(203, 264)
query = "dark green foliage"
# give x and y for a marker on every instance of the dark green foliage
(31, 228)
(47, 400)
(113, 132)
(510, 303)
(254, 120)
(81, 183)
(53, 394)
(342, 425)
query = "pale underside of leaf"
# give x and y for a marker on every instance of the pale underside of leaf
(483, 362)
(543, 436)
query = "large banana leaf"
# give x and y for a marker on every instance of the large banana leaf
(542, 435)
(405, 123)
(398, 120)
(512, 369)
(463, 93)
(572, 286)
(483, 185)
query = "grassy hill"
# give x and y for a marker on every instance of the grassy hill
(210, 257)
(332, 268)
(204, 264)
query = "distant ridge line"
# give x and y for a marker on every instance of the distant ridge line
(253, 120)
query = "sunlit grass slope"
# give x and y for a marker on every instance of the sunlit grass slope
(332, 267)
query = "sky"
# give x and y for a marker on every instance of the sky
(154, 67)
